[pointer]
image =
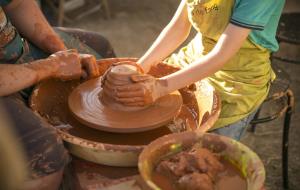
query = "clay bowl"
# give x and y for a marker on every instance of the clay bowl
(236, 153)
(50, 100)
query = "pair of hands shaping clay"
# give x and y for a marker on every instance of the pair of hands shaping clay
(126, 103)
(127, 84)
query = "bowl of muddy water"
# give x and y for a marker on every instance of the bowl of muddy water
(194, 160)
(200, 110)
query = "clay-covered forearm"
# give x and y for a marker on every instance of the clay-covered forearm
(14, 78)
(173, 35)
(30, 22)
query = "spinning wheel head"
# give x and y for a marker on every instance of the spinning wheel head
(86, 106)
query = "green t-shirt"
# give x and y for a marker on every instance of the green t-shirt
(262, 16)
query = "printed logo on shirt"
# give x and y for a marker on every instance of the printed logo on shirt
(214, 7)
(204, 9)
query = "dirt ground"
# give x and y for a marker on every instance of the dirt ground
(134, 26)
(132, 29)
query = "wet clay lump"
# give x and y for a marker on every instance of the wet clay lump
(118, 75)
(93, 106)
(197, 169)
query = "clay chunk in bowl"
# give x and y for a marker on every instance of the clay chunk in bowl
(168, 163)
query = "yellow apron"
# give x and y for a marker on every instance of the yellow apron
(243, 82)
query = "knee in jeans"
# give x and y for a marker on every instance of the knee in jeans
(42, 145)
(46, 153)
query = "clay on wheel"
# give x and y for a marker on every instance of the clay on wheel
(85, 104)
(119, 75)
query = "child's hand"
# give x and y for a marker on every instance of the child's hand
(144, 91)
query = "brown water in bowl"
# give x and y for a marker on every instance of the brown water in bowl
(230, 179)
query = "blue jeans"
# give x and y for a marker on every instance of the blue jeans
(236, 130)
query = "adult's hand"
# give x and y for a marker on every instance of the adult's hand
(68, 65)
(89, 66)
(65, 65)
(72, 65)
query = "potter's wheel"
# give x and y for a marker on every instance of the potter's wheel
(87, 105)
(50, 101)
